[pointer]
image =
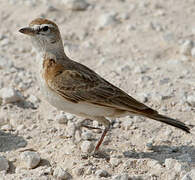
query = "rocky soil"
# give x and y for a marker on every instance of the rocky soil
(145, 47)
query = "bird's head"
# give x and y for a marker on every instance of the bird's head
(45, 35)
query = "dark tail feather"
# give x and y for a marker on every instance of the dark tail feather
(170, 121)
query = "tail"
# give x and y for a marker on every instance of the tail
(170, 121)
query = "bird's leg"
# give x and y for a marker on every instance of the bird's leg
(106, 123)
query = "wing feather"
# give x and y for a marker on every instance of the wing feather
(77, 83)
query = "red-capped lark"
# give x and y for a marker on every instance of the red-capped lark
(72, 87)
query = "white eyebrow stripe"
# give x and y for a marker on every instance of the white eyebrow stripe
(37, 27)
(49, 25)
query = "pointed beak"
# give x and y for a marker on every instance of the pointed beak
(28, 31)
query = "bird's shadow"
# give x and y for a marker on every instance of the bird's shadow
(161, 152)
(10, 141)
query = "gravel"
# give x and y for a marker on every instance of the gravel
(30, 159)
(61, 174)
(106, 20)
(191, 100)
(87, 147)
(101, 173)
(61, 119)
(186, 47)
(115, 162)
(10, 95)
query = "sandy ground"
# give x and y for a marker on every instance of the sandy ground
(139, 46)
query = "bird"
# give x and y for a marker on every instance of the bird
(74, 88)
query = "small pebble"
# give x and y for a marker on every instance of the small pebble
(4, 165)
(106, 20)
(79, 171)
(61, 174)
(191, 100)
(175, 164)
(154, 164)
(61, 119)
(101, 173)
(10, 95)
(31, 159)
(34, 99)
(69, 116)
(115, 161)
(87, 147)
(186, 47)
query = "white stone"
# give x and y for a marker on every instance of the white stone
(89, 171)
(69, 116)
(154, 164)
(61, 119)
(61, 174)
(186, 47)
(76, 5)
(31, 159)
(191, 100)
(106, 20)
(121, 177)
(34, 99)
(87, 147)
(115, 161)
(4, 165)
(175, 164)
(101, 173)
(13, 121)
(143, 97)
(10, 95)
(78, 171)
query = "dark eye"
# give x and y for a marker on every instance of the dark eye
(45, 28)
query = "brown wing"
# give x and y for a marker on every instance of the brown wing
(78, 83)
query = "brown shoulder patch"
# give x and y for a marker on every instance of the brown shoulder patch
(51, 69)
